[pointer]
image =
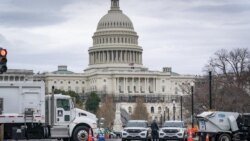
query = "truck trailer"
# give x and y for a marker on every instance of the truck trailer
(224, 126)
(27, 113)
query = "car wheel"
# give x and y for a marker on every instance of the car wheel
(123, 139)
(224, 137)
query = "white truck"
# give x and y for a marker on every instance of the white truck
(27, 113)
(224, 126)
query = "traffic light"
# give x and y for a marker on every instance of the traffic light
(3, 60)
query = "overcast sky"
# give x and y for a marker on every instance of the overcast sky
(182, 34)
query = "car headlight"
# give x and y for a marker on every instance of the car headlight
(143, 130)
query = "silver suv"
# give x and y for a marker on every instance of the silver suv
(136, 130)
(172, 130)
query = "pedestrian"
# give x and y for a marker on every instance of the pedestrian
(154, 129)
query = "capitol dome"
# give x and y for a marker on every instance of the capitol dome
(115, 19)
(115, 43)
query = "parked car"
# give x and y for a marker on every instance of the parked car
(136, 130)
(173, 130)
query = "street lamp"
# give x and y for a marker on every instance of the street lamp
(210, 86)
(174, 109)
(181, 107)
(192, 103)
(167, 110)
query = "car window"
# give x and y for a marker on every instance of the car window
(136, 124)
(173, 124)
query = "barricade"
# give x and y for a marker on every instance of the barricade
(190, 135)
(90, 135)
(207, 137)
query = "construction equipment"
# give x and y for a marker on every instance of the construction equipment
(224, 126)
(27, 113)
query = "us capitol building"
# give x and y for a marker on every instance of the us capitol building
(116, 67)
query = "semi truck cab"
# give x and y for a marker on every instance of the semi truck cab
(68, 121)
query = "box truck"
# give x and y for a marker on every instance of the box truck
(27, 113)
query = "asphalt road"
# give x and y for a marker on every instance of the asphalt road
(58, 140)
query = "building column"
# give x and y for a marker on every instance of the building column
(99, 57)
(125, 56)
(121, 56)
(116, 86)
(94, 57)
(108, 57)
(140, 58)
(139, 84)
(112, 56)
(134, 56)
(102, 57)
(124, 85)
(133, 84)
(117, 58)
(130, 58)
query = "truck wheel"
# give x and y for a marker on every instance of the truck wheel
(80, 133)
(225, 137)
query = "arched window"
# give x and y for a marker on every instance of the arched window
(159, 109)
(152, 110)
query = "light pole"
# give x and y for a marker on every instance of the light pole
(181, 107)
(174, 109)
(210, 88)
(164, 116)
(168, 112)
(192, 103)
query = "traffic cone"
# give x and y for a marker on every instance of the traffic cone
(90, 135)
(207, 137)
(190, 135)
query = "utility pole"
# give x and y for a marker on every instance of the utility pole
(210, 89)
(181, 107)
(192, 102)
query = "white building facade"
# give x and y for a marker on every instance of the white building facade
(116, 67)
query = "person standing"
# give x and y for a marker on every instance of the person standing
(154, 129)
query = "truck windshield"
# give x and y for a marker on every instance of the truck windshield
(136, 124)
(173, 124)
(63, 103)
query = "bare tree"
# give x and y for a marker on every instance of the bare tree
(232, 67)
(230, 84)
(107, 111)
(140, 111)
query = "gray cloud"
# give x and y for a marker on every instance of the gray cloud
(223, 8)
(28, 19)
(28, 13)
(182, 34)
